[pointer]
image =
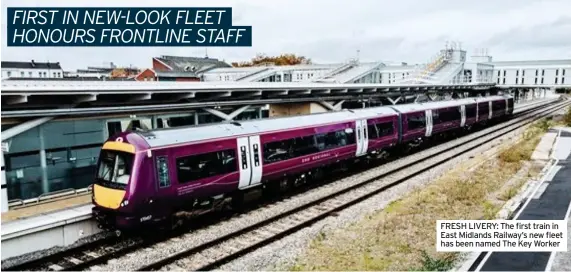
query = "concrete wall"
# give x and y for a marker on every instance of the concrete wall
(295, 109)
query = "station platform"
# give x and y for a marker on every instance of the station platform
(551, 201)
(24, 212)
(58, 228)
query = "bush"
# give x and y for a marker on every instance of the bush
(434, 264)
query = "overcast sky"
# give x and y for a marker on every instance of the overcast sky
(333, 30)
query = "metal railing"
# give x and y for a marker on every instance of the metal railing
(49, 197)
(423, 73)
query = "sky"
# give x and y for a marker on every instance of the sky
(328, 31)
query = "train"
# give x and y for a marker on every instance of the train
(146, 177)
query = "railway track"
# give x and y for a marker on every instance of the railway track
(232, 245)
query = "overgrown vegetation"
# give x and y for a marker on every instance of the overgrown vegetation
(567, 117)
(431, 264)
(529, 141)
(401, 237)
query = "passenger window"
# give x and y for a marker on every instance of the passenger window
(483, 109)
(373, 134)
(195, 167)
(416, 122)
(470, 111)
(436, 117)
(446, 115)
(301, 146)
(163, 172)
(385, 129)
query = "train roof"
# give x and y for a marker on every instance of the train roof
(432, 105)
(170, 136)
(492, 98)
(178, 135)
(404, 108)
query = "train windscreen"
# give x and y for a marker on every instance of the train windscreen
(114, 169)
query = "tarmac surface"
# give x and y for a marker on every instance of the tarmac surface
(552, 201)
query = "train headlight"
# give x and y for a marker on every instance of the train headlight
(124, 203)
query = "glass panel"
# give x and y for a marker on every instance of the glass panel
(114, 169)
(163, 172)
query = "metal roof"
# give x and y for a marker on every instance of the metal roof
(191, 64)
(565, 62)
(19, 97)
(173, 136)
(30, 65)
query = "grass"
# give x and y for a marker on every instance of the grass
(402, 236)
(530, 139)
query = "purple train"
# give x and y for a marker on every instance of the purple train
(146, 177)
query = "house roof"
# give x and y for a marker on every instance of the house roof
(175, 74)
(30, 65)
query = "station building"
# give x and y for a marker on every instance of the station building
(533, 72)
(31, 69)
(62, 152)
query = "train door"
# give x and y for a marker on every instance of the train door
(250, 163)
(244, 162)
(462, 115)
(428, 114)
(255, 158)
(490, 110)
(362, 137)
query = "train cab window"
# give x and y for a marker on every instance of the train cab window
(163, 172)
(416, 121)
(114, 169)
(195, 167)
(470, 111)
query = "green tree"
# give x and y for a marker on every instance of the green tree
(283, 59)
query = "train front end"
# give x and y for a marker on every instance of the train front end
(113, 187)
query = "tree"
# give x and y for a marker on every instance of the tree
(283, 59)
